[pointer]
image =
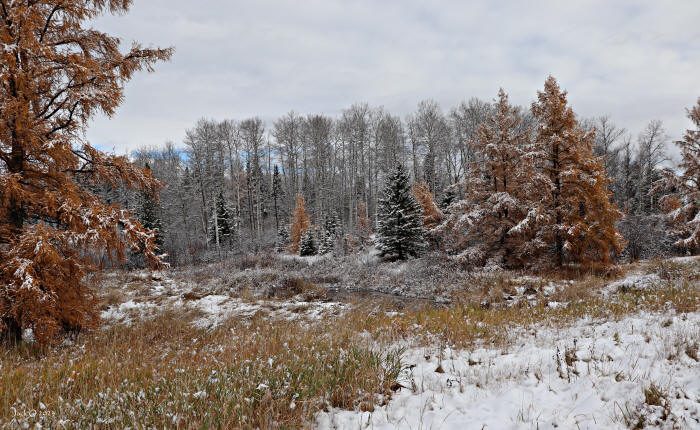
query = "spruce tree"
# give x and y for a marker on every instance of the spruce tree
(329, 236)
(221, 231)
(282, 239)
(149, 213)
(307, 246)
(400, 232)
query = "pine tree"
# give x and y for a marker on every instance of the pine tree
(400, 232)
(307, 247)
(329, 235)
(149, 213)
(56, 72)
(300, 224)
(580, 217)
(682, 203)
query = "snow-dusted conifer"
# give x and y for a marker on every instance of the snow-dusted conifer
(490, 225)
(683, 202)
(400, 232)
(149, 213)
(307, 246)
(329, 235)
(221, 231)
(282, 238)
(300, 224)
(58, 71)
(579, 216)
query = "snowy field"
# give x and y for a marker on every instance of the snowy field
(280, 342)
(591, 375)
(642, 370)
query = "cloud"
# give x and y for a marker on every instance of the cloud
(634, 60)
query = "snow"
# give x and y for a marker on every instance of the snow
(633, 282)
(210, 309)
(529, 384)
(125, 311)
(685, 259)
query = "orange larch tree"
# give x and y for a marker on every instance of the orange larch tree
(300, 224)
(491, 224)
(580, 217)
(363, 223)
(683, 202)
(432, 215)
(56, 73)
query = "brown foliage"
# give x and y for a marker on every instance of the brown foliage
(364, 225)
(55, 74)
(494, 224)
(580, 217)
(300, 223)
(432, 215)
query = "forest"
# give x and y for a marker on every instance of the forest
(233, 185)
(479, 266)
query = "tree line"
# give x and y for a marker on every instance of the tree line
(232, 186)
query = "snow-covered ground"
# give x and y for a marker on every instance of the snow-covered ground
(591, 375)
(641, 370)
(158, 294)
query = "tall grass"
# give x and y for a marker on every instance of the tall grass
(262, 373)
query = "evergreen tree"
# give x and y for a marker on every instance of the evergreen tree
(449, 196)
(329, 236)
(221, 232)
(282, 239)
(307, 246)
(400, 232)
(149, 213)
(682, 203)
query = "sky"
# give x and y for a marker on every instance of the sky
(634, 60)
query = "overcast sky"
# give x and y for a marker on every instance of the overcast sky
(634, 60)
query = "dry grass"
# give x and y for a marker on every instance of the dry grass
(466, 324)
(258, 373)
(294, 286)
(164, 373)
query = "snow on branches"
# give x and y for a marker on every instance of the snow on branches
(682, 202)
(55, 75)
(400, 232)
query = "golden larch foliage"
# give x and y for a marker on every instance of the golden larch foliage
(432, 215)
(56, 73)
(494, 223)
(300, 223)
(364, 225)
(580, 216)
